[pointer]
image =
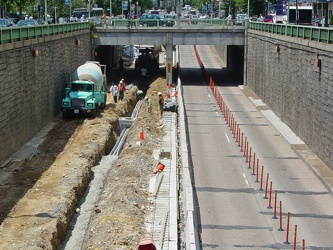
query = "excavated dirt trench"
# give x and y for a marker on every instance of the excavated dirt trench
(39, 199)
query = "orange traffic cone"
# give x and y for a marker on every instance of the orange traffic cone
(169, 84)
(168, 95)
(159, 168)
(142, 137)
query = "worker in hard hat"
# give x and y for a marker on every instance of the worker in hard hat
(148, 104)
(139, 93)
(121, 89)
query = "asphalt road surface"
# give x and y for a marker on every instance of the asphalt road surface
(232, 211)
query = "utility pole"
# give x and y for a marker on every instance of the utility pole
(46, 21)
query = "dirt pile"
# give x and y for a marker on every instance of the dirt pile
(44, 191)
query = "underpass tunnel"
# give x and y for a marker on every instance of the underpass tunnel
(106, 54)
(235, 61)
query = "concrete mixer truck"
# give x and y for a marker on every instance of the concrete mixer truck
(86, 92)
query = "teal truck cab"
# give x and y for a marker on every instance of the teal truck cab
(86, 93)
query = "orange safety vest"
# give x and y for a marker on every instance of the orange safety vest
(121, 87)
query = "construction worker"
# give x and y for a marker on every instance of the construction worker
(160, 101)
(121, 89)
(114, 92)
(139, 93)
(148, 103)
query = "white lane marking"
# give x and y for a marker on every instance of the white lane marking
(227, 137)
(247, 182)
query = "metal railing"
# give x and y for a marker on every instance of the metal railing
(9, 35)
(313, 33)
(153, 23)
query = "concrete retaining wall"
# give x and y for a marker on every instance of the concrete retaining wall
(31, 87)
(294, 87)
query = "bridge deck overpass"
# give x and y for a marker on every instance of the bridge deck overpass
(169, 36)
(191, 35)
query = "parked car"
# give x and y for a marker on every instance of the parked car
(5, 23)
(29, 22)
(269, 19)
(149, 20)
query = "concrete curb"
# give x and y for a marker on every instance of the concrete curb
(191, 233)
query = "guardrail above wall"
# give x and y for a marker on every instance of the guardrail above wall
(16, 34)
(313, 33)
(171, 23)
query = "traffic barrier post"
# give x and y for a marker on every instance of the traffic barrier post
(287, 230)
(270, 196)
(275, 198)
(267, 177)
(257, 172)
(242, 138)
(250, 157)
(237, 135)
(254, 163)
(303, 244)
(295, 237)
(261, 177)
(280, 229)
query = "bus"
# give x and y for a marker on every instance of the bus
(96, 14)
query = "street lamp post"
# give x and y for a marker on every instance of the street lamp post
(248, 8)
(297, 14)
(55, 14)
(110, 8)
(206, 9)
(46, 22)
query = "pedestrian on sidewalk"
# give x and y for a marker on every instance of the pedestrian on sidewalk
(114, 92)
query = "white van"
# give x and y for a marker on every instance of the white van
(240, 19)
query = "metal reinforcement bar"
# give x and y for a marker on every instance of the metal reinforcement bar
(136, 109)
(120, 142)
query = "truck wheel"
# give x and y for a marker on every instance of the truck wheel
(66, 115)
(103, 105)
(94, 112)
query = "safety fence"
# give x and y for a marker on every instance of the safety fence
(252, 160)
(9, 35)
(169, 23)
(313, 33)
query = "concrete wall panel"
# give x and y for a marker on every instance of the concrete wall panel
(292, 85)
(31, 88)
